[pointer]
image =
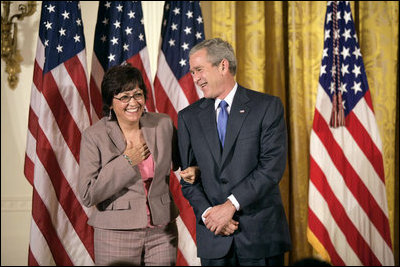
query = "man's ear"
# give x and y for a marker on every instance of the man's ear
(224, 64)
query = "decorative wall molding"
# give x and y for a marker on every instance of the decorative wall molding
(16, 204)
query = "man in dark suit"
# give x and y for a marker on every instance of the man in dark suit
(237, 137)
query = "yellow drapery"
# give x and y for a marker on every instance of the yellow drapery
(279, 47)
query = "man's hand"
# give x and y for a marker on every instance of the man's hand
(190, 174)
(230, 228)
(219, 219)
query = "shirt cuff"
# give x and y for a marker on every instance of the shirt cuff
(234, 202)
(202, 215)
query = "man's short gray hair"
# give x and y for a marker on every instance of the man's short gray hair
(217, 50)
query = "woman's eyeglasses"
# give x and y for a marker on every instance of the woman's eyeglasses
(126, 98)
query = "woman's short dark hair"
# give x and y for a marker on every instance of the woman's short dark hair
(119, 79)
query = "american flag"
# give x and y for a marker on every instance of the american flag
(59, 112)
(119, 38)
(182, 28)
(348, 215)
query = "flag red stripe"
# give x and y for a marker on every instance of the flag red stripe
(65, 121)
(353, 236)
(366, 144)
(38, 76)
(33, 123)
(95, 97)
(43, 220)
(180, 259)
(31, 258)
(76, 72)
(163, 103)
(65, 194)
(136, 61)
(29, 169)
(188, 87)
(319, 230)
(352, 180)
(186, 211)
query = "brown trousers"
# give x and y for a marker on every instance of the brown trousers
(148, 246)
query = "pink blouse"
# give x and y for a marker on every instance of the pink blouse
(146, 168)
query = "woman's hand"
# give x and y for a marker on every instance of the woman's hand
(190, 174)
(136, 153)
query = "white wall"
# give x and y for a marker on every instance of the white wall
(16, 192)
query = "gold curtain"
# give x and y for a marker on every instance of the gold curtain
(279, 47)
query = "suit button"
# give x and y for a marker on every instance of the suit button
(224, 181)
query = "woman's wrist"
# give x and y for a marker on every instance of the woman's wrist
(128, 159)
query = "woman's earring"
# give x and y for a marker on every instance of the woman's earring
(109, 115)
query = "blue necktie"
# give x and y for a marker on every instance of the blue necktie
(222, 120)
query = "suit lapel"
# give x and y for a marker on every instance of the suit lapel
(116, 135)
(209, 128)
(238, 114)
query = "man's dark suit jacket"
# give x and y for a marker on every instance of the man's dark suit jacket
(249, 167)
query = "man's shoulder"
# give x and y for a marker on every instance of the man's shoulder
(259, 96)
(193, 108)
(262, 103)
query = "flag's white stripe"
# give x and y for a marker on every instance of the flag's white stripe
(97, 72)
(367, 119)
(177, 175)
(353, 210)
(39, 247)
(323, 103)
(97, 76)
(31, 147)
(66, 160)
(320, 208)
(71, 96)
(30, 140)
(82, 58)
(144, 55)
(186, 244)
(62, 225)
(170, 84)
(354, 155)
(40, 57)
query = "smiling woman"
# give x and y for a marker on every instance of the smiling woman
(118, 158)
